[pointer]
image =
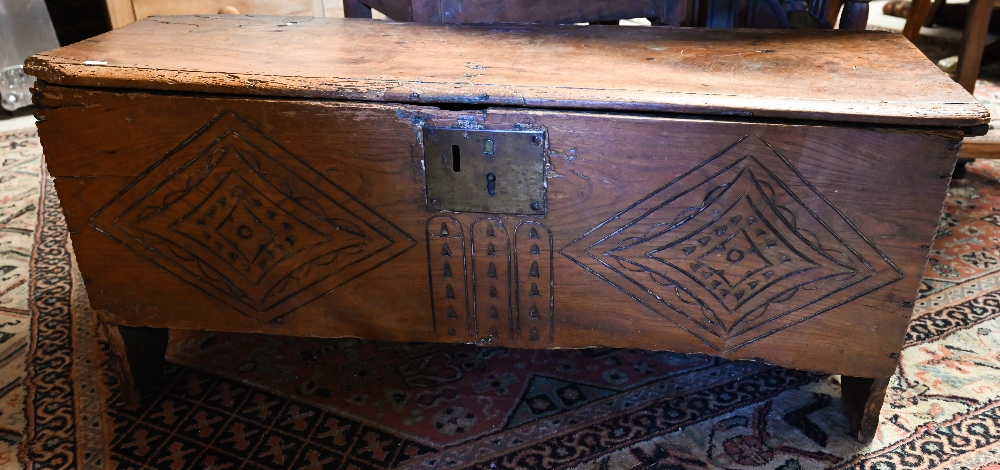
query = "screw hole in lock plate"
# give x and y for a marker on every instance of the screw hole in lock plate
(483, 170)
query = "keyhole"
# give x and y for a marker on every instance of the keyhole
(456, 158)
(491, 186)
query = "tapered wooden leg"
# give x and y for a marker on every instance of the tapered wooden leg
(863, 401)
(139, 356)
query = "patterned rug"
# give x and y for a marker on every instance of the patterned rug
(20, 179)
(254, 401)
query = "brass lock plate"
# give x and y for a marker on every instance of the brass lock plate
(483, 170)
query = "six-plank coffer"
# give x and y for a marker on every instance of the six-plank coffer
(761, 195)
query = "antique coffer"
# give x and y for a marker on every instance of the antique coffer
(766, 195)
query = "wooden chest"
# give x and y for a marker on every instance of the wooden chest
(766, 195)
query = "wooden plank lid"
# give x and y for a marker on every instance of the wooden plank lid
(847, 76)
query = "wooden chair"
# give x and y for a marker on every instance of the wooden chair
(970, 57)
(973, 36)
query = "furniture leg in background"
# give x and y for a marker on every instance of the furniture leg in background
(973, 41)
(969, 61)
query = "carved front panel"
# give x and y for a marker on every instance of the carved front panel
(247, 222)
(491, 286)
(487, 287)
(535, 281)
(660, 233)
(736, 249)
(448, 276)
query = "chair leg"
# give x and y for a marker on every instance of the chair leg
(932, 14)
(916, 18)
(863, 399)
(977, 23)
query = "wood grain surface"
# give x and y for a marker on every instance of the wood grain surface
(797, 244)
(837, 76)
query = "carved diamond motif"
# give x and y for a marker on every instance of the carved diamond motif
(736, 249)
(247, 222)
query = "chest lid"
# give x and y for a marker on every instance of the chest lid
(845, 76)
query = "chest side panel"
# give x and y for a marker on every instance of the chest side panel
(798, 244)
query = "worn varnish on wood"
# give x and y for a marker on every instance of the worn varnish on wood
(210, 187)
(830, 75)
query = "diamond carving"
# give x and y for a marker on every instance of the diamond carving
(242, 219)
(738, 248)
